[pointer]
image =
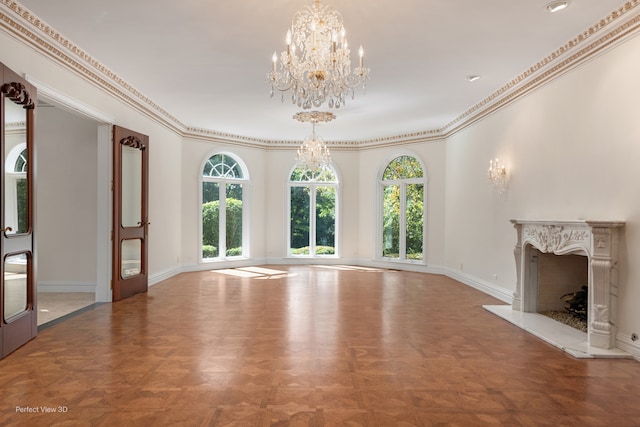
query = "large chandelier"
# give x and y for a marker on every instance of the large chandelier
(313, 154)
(316, 65)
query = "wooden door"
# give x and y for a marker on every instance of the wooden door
(18, 311)
(130, 212)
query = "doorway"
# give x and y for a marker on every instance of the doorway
(68, 243)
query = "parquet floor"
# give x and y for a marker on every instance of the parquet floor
(307, 346)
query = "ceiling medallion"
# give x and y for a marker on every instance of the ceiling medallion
(314, 116)
(316, 65)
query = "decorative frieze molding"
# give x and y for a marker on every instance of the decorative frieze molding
(23, 25)
(597, 240)
(557, 239)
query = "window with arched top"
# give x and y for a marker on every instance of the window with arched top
(224, 210)
(20, 165)
(16, 189)
(402, 188)
(313, 202)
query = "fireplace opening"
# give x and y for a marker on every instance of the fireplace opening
(563, 288)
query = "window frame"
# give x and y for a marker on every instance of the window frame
(12, 177)
(245, 182)
(313, 184)
(381, 184)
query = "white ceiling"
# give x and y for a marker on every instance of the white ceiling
(205, 62)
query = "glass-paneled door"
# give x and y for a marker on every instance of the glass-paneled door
(130, 212)
(18, 314)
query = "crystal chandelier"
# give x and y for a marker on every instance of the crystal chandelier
(313, 154)
(316, 65)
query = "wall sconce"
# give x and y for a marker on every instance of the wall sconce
(498, 177)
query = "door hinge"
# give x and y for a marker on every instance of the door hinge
(112, 235)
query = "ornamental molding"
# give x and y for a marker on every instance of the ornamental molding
(559, 62)
(23, 25)
(18, 93)
(133, 142)
(15, 126)
(557, 239)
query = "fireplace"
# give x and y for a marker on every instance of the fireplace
(558, 257)
(562, 286)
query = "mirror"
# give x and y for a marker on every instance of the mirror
(16, 207)
(131, 186)
(131, 255)
(15, 285)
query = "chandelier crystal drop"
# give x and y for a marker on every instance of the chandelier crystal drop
(313, 154)
(316, 65)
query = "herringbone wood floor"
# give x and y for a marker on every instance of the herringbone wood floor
(317, 346)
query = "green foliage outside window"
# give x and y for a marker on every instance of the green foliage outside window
(210, 223)
(23, 205)
(398, 176)
(219, 173)
(403, 167)
(321, 185)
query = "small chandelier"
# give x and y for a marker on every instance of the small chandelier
(497, 174)
(316, 65)
(313, 154)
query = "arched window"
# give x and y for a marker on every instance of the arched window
(16, 189)
(224, 185)
(313, 201)
(402, 186)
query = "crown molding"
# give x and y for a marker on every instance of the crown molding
(23, 25)
(608, 32)
(20, 23)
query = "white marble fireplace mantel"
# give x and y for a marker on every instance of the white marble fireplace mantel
(597, 240)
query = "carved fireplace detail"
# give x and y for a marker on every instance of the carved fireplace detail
(598, 240)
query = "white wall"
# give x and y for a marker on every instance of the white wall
(165, 149)
(66, 149)
(572, 149)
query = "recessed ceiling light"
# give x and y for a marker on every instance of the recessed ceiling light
(473, 78)
(557, 6)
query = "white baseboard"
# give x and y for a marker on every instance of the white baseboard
(66, 287)
(164, 275)
(624, 342)
(217, 265)
(488, 288)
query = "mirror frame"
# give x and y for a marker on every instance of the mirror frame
(17, 93)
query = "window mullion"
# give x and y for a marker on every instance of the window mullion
(312, 220)
(403, 221)
(222, 221)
